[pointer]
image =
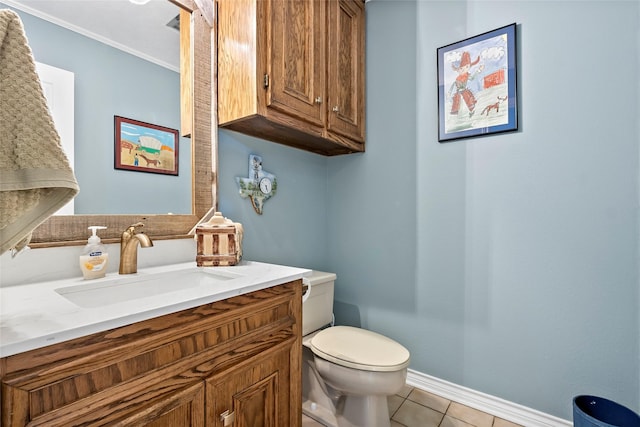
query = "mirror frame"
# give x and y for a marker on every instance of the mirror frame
(71, 230)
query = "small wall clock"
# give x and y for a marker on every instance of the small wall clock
(260, 186)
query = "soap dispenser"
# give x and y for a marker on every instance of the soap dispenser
(94, 258)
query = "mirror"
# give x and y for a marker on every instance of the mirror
(72, 230)
(89, 77)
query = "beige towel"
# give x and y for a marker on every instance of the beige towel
(35, 176)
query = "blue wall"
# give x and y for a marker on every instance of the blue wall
(507, 264)
(293, 228)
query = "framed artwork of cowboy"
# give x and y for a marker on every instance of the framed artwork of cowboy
(477, 85)
(144, 147)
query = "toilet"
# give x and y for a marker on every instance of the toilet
(347, 372)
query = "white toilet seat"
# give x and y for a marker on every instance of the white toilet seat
(359, 349)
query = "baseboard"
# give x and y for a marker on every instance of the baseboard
(490, 404)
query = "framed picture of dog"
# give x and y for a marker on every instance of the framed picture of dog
(145, 147)
(477, 85)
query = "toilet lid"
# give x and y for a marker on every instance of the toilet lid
(359, 349)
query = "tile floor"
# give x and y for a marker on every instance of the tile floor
(413, 407)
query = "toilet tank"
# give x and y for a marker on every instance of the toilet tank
(317, 308)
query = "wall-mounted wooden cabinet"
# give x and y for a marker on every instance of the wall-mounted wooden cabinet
(237, 358)
(293, 72)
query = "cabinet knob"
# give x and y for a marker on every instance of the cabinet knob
(335, 109)
(227, 418)
(319, 100)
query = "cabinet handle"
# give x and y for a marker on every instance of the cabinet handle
(335, 109)
(227, 418)
(319, 100)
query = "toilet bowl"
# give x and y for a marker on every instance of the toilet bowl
(348, 372)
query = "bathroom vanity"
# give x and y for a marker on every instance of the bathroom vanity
(225, 351)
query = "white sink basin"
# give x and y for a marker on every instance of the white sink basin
(124, 288)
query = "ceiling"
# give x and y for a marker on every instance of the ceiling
(138, 29)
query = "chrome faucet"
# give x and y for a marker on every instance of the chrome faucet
(129, 248)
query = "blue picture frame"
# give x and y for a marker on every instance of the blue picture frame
(477, 85)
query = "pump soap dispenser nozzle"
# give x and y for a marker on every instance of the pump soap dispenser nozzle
(94, 238)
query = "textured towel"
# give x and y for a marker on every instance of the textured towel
(35, 176)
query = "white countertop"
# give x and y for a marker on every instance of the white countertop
(36, 315)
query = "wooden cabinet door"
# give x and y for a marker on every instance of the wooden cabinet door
(252, 394)
(296, 52)
(345, 59)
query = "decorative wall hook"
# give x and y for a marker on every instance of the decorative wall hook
(260, 186)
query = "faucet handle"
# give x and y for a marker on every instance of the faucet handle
(131, 230)
(132, 227)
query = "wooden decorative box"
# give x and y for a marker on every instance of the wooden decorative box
(219, 242)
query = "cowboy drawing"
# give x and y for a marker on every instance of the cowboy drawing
(459, 86)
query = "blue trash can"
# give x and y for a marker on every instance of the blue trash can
(592, 411)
